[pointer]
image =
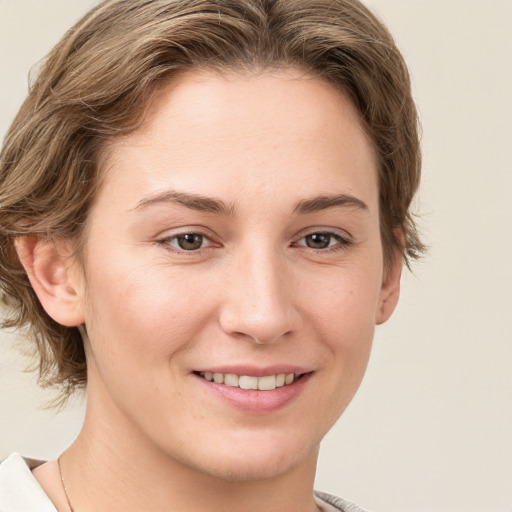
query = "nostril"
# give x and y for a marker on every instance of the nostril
(259, 327)
(259, 304)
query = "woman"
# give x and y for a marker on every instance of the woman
(204, 212)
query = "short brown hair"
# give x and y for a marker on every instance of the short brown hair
(99, 79)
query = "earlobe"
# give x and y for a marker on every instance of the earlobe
(48, 267)
(390, 290)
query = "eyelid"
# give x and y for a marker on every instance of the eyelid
(344, 238)
(164, 239)
(343, 233)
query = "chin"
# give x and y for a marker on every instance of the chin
(272, 467)
(249, 471)
(263, 460)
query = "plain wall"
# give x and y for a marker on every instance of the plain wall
(431, 427)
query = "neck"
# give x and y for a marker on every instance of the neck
(129, 474)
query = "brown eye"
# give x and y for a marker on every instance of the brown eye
(189, 241)
(318, 240)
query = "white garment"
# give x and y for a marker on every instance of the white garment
(20, 491)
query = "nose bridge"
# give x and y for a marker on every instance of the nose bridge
(259, 302)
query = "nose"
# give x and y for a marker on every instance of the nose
(258, 299)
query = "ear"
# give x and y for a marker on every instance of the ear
(390, 289)
(50, 269)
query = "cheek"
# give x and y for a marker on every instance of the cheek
(345, 322)
(141, 317)
(347, 336)
(345, 300)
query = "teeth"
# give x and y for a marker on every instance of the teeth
(231, 380)
(246, 382)
(267, 383)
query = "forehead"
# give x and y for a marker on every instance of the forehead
(205, 128)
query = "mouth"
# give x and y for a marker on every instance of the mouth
(265, 383)
(255, 390)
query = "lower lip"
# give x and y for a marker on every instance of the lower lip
(256, 401)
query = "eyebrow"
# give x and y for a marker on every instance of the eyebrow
(192, 201)
(217, 206)
(320, 203)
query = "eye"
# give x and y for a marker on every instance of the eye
(188, 241)
(323, 240)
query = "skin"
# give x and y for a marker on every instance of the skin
(258, 291)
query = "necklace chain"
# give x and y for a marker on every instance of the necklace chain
(64, 486)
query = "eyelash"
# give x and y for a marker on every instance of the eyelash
(342, 242)
(167, 242)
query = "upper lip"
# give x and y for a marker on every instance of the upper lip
(255, 371)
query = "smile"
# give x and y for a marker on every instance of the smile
(266, 383)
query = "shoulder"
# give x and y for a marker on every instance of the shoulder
(334, 503)
(19, 490)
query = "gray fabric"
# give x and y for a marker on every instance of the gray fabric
(338, 503)
(20, 491)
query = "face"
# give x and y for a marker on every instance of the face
(234, 244)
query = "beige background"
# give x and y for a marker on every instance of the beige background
(431, 428)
